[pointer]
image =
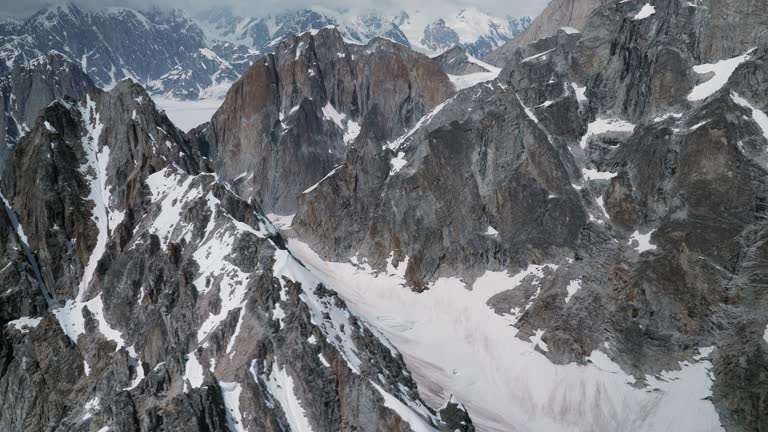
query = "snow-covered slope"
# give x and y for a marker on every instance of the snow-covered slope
(455, 344)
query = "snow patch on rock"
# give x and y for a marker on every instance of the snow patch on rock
(601, 126)
(323, 360)
(24, 324)
(230, 392)
(721, 71)
(416, 422)
(593, 174)
(327, 176)
(280, 385)
(424, 121)
(536, 57)
(580, 92)
(193, 372)
(758, 116)
(461, 82)
(646, 11)
(572, 288)
(643, 241)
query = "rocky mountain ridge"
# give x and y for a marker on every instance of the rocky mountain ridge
(623, 159)
(297, 112)
(27, 88)
(171, 302)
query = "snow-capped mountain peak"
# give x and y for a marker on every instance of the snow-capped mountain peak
(471, 25)
(432, 34)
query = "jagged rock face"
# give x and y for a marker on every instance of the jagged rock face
(476, 158)
(294, 113)
(621, 167)
(618, 154)
(557, 14)
(27, 89)
(20, 296)
(729, 29)
(48, 204)
(140, 293)
(456, 62)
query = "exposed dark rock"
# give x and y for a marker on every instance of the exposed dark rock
(296, 111)
(591, 151)
(28, 88)
(455, 62)
(165, 301)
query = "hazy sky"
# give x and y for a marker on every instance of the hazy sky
(22, 8)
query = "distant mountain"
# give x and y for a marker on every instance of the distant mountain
(476, 31)
(165, 48)
(263, 32)
(184, 57)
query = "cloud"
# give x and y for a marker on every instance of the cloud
(495, 7)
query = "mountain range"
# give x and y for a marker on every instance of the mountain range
(201, 57)
(367, 238)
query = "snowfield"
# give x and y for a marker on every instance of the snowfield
(456, 345)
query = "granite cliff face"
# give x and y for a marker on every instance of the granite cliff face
(296, 111)
(455, 61)
(569, 14)
(141, 293)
